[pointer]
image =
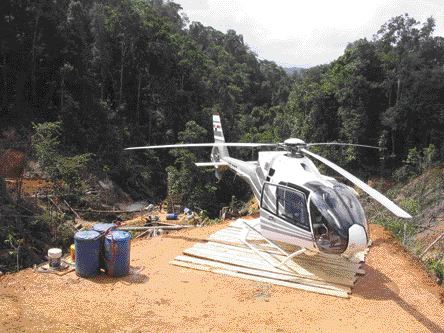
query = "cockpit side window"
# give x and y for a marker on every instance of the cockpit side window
(292, 207)
(268, 200)
(287, 203)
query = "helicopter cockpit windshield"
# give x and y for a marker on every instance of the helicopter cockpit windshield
(333, 209)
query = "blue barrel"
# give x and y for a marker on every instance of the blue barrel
(87, 245)
(171, 216)
(117, 247)
(102, 228)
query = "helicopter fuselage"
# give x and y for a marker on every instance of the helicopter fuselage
(300, 206)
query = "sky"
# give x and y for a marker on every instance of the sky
(310, 32)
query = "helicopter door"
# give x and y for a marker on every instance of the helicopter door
(284, 215)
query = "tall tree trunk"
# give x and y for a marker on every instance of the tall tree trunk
(33, 61)
(102, 84)
(149, 125)
(21, 107)
(392, 132)
(390, 95)
(398, 92)
(121, 72)
(62, 92)
(5, 85)
(138, 100)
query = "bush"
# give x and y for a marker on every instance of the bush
(403, 230)
(415, 163)
(66, 172)
(437, 267)
(60, 230)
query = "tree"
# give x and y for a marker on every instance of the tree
(64, 171)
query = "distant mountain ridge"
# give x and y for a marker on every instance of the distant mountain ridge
(290, 71)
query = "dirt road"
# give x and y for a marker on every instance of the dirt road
(395, 295)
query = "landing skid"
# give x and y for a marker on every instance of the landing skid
(244, 239)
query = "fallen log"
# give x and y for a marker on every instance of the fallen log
(432, 244)
(71, 209)
(107, 211)
(178, 227)
(144, 233)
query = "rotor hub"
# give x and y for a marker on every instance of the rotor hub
(294, 146)
(295, 142)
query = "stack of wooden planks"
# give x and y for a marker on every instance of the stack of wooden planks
(225, 254)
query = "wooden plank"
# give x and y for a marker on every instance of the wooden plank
(342, 264)
(317, 259)
(262, 265)
(271, 275)
(239, 223)
(233, 239)
(262, 279)
(235, 235)
(228, 241)
(307, 269)
(225, 254)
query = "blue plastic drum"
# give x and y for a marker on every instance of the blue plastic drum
(117, 247)
(102, 228)
(87, 244)
(171, 216)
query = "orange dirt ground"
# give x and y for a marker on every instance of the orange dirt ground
(396, 295)
(30, 186)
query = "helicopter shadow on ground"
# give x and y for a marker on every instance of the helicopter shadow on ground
(135, 276)
(375, 285)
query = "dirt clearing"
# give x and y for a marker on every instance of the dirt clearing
(395, 295)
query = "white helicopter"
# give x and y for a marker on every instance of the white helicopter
(298, 205)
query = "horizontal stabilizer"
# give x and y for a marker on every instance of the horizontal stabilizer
(209, 164)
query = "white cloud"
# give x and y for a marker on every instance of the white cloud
(309, 32)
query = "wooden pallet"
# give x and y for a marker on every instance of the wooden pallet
(225, 254)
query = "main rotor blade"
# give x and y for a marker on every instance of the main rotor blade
(217, 144)
(382, 199)
(341, 144)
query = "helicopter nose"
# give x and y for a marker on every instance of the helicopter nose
(357, 240)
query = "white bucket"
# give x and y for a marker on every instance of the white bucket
(54, 256)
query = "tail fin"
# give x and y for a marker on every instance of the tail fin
(217, 128)
(218, 152)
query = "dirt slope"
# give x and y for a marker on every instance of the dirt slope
(395, 295)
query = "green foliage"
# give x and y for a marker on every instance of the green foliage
(193, 186)
(403, 230)
(437, 267)
(428, 156)
(416, 162)
(47, 149)
(385, 92)
(192, 133)
(410, 205)
(14, 244)
(105, 75)
(46, 145)
(60, 231)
